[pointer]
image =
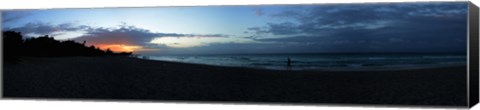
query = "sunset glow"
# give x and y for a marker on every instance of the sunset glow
(119, 47)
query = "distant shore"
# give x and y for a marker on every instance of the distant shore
(138, 79)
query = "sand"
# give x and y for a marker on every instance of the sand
(124, 78)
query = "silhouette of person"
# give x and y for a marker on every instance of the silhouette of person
(289, 63)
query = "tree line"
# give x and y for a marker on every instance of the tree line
(15, 46)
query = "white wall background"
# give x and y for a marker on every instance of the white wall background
(7, 104)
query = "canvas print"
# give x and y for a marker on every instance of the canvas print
(368, 53)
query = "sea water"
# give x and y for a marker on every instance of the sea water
(321, 61)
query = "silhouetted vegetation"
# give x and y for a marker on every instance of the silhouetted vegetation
(44, 46)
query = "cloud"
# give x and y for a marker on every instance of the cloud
(122, 35)
(125, 36)
(431, 25)
(317, 19)
(286, 28)
(34, 29)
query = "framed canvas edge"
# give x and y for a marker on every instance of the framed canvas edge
(473, 55)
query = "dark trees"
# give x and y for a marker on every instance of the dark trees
(14, 46)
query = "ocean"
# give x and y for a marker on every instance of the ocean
(322, 61)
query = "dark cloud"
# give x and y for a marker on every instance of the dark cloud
(41, 28)
(372, 27)
(285, 28)
(366, 16)
(124, 34)
(129, 35)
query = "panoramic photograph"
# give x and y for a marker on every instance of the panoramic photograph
(370, 53)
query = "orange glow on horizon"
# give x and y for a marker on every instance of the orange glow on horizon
(119, 47)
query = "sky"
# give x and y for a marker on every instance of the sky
(308, 28)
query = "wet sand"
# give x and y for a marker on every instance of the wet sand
(124, 78)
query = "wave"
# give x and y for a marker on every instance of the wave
(320, 62)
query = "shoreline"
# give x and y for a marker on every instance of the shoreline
(139, 79)
(343, 69)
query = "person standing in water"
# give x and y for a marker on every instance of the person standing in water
(289, 64)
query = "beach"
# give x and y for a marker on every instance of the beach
(126, 78)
